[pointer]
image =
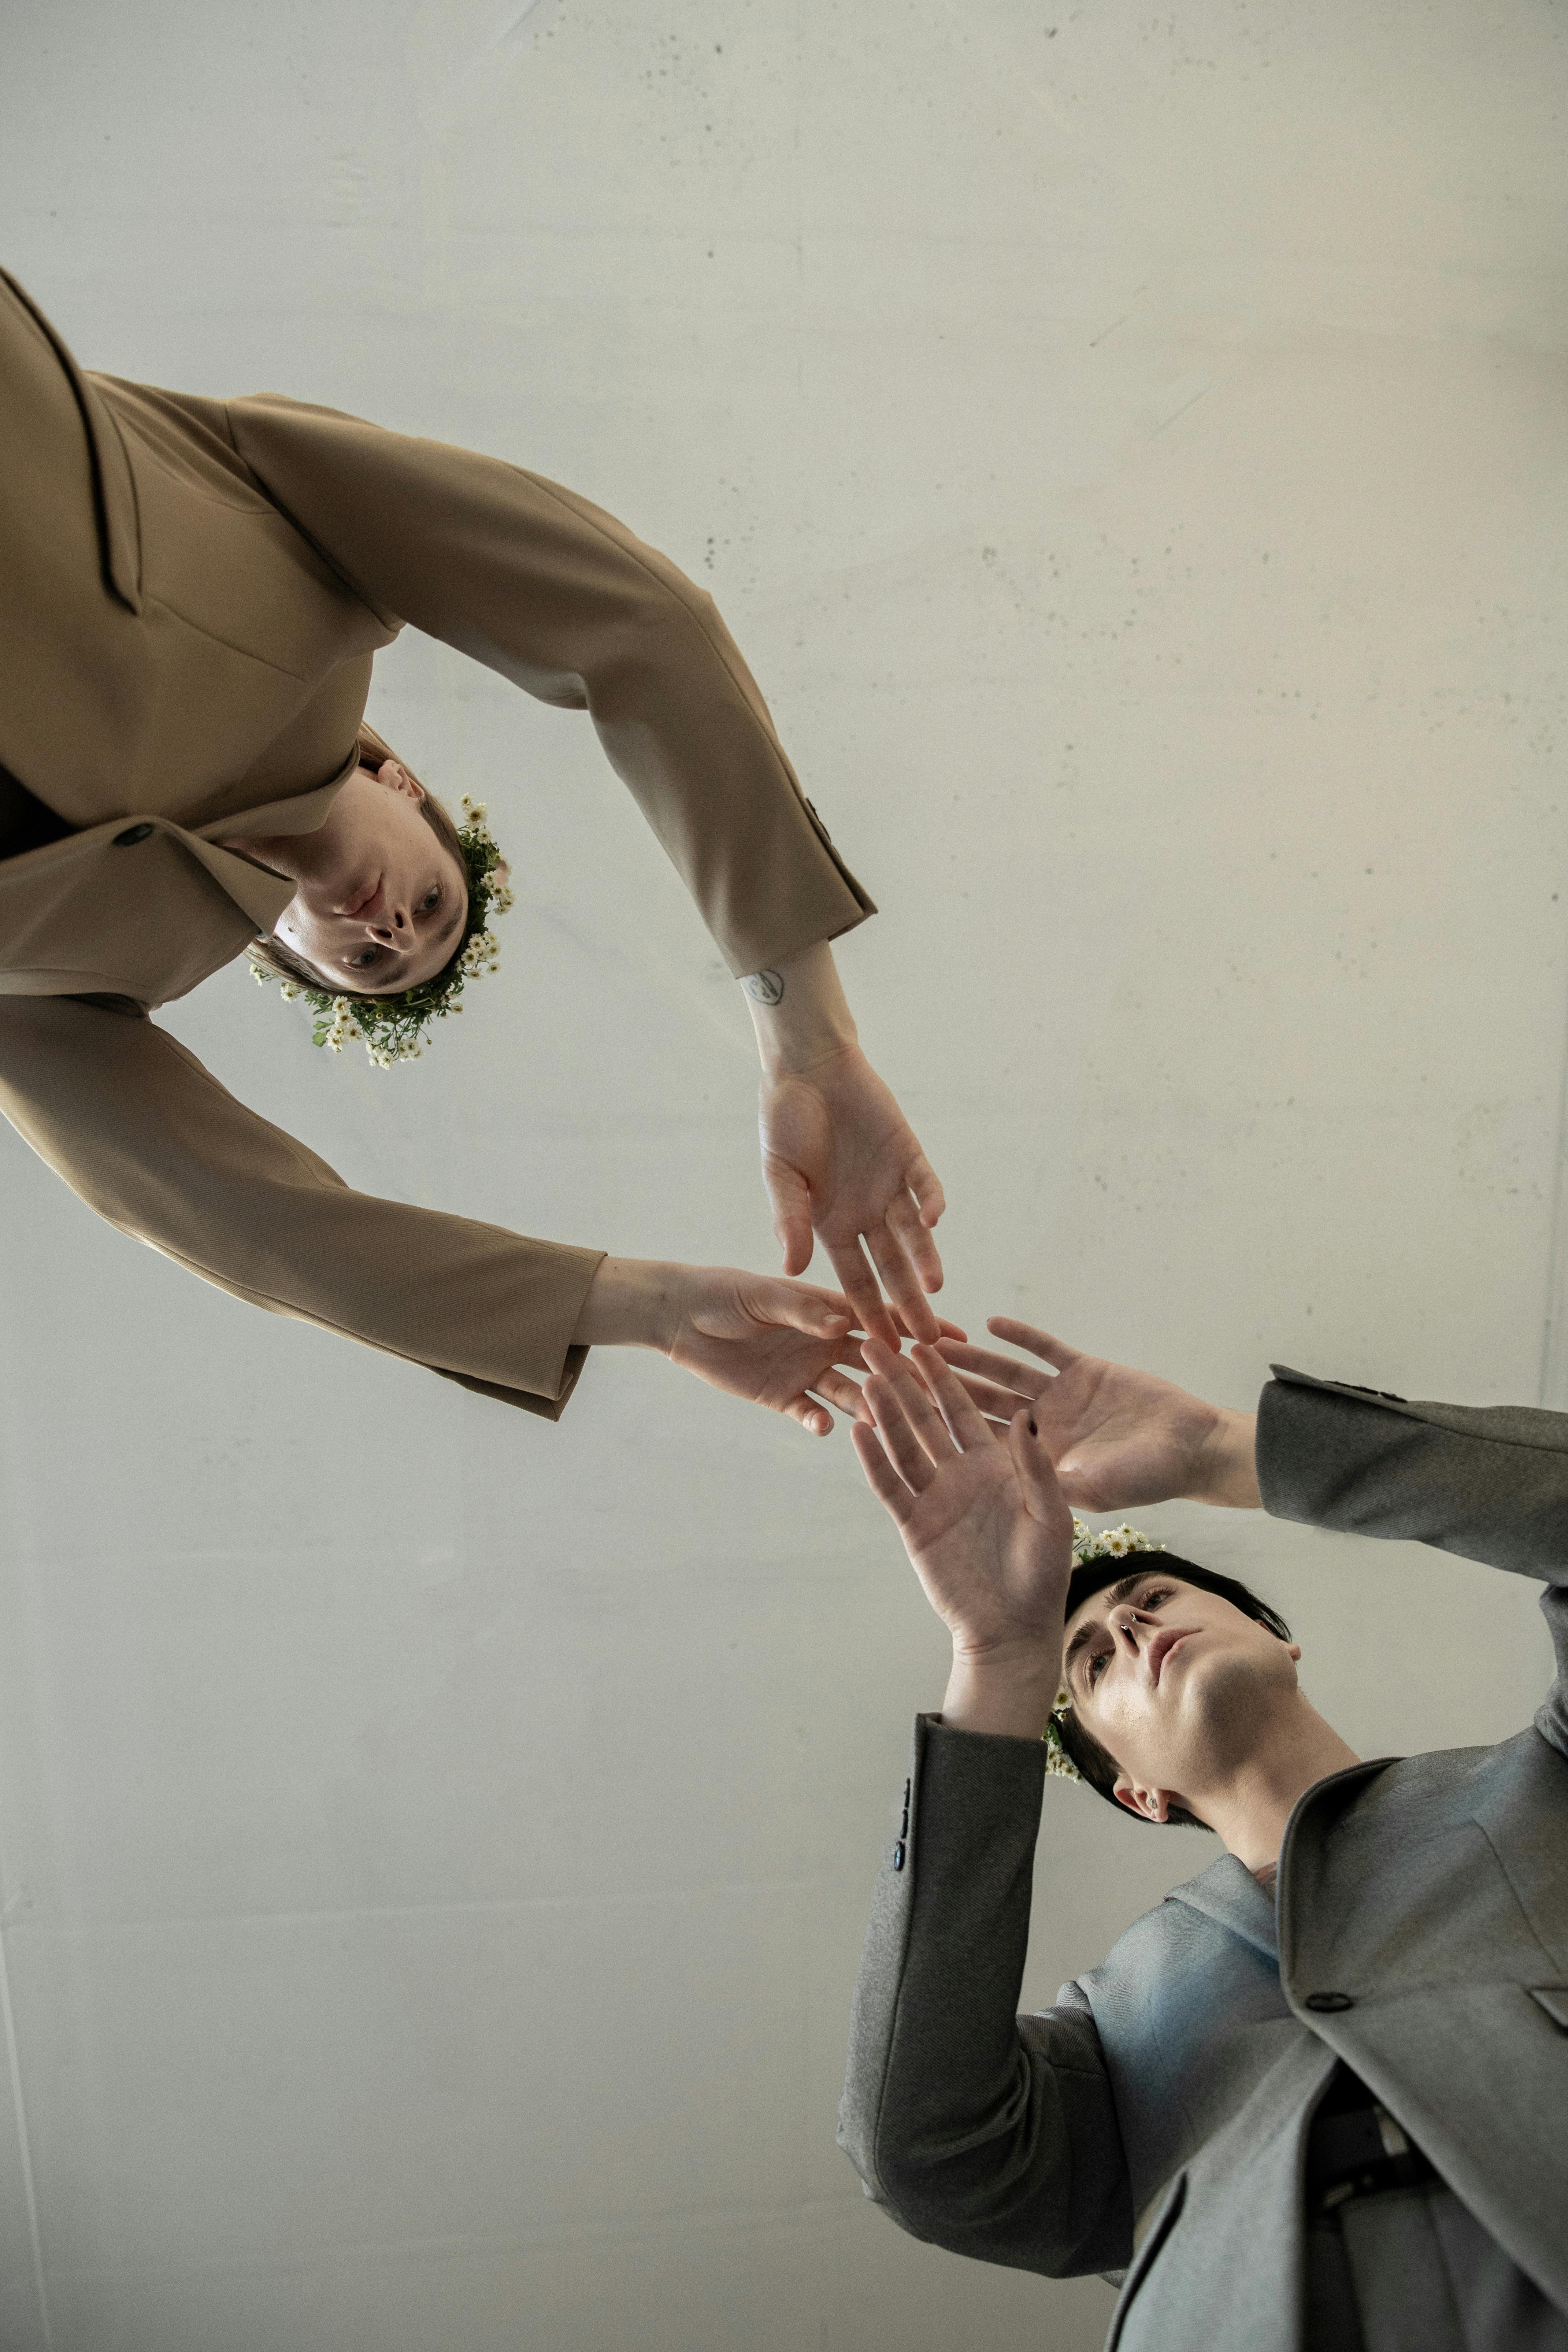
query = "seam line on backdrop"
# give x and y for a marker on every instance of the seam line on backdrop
(24, 2148)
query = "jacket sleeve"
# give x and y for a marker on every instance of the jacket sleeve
(150, 1140)
(1489, 1482)
(566, 603)
(980, 2130)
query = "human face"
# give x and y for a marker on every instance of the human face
(380, 901)
(1175, 1683)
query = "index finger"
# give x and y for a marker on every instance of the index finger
(901, 1282)
(1006, 1372)
(859, 1286)
(952, 1400)
(1038, 1343)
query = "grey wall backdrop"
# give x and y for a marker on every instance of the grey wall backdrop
(1130, 448)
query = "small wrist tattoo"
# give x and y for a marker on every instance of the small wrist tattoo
(765, 987)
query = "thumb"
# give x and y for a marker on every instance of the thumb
(790, 1197)
(821, 1312)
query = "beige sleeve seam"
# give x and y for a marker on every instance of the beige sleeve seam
(761, 719)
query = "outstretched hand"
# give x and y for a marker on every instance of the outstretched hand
(982, 1519)
(1116, 1436)
(839, 1157)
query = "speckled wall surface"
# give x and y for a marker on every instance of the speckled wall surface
(1130, 449)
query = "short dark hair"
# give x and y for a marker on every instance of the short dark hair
(1097, 1764)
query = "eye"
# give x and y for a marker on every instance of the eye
(363, 960)
(1092, 1670)
(430, 901)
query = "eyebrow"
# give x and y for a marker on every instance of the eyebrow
(1122, 1590)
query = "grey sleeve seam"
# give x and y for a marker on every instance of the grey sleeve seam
(1411, 1410)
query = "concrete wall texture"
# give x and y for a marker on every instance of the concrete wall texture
(1129, 447)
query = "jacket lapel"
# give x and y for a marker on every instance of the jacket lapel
(114, 487)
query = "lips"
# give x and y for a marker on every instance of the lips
(365, 900)
(1160, 1649)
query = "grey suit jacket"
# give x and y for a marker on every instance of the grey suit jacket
(1421, 1934)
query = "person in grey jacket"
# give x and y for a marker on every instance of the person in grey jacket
(1324, 2086)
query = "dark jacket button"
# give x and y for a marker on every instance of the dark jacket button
(1329, 2001)
(899, 1856)
(131, 835)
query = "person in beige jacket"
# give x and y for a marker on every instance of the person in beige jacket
(191, 594)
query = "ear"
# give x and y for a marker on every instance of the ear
(396, 778)
(1149, 1804)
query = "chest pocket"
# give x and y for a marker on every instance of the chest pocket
(225, 562)
(1415, 1911)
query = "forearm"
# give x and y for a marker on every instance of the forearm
(631, 1302)
(998, 2142)
(799, 1011)
(1007, 1692)
(150, 1140)
(1490, 1483)
(1226, 1473)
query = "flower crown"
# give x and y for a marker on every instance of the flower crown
(392, 1028)
(1111, 1543)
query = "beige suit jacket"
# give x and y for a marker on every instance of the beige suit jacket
(191, 593)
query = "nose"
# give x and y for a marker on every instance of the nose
(393, 926)
(1127, 1627)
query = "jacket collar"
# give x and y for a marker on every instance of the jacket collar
(1227, 1893)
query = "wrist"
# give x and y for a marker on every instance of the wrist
(1226, 1473)
(799, 1011)
(631, 1302)
(1008, 1688)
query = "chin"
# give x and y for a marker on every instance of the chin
(1226, 1697)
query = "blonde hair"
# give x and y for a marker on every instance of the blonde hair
(269, 951)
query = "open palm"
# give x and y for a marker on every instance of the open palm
(840, 1157)
(982, 1517)
(1116, 1436)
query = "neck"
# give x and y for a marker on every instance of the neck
(286, 853)
(1250, 1806)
